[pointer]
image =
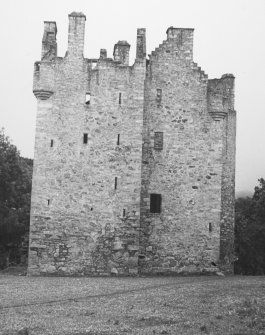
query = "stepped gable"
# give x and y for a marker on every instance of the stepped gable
(174, 45)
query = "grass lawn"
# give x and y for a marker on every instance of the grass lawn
(156, 305)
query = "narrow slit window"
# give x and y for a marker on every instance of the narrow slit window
(119, 98)
(116, 183)
(51, 143)
(48, 202)
(118, 139)
(85, 138)
(37, 66)
(158, 141)
(210, 227)
(123, 213)
(155, 203)
(159, 95)
(88, 96)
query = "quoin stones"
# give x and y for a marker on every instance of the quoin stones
(134, 165)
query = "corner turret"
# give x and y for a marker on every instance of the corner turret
(43, 80)
(220, 96)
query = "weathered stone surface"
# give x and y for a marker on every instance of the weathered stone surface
(110, 135)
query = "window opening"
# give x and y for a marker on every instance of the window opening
(88, 96)
(158, 141)
(37, 66)
(94, 64)
(155, 203)
(123, 212)
(210, 227)
(159, 95)
(48, 202)
(85, 138)
(116, 182)
(118, 139)
(119, 98)
(51, 143)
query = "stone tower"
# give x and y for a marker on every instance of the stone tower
(134, 165)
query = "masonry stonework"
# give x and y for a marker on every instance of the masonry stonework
(134, 165)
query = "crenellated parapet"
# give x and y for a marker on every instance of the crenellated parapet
(220, 96)
(46, 69)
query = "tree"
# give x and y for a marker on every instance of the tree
(250, 232)
(15, 189)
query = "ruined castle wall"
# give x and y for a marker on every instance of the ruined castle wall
(187, 172)
(86, 196)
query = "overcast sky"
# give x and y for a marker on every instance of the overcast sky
(229, 38)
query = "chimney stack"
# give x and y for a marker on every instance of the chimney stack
(76, 34)
(121, 52)
(141, 44)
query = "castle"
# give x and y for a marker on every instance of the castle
(134, 166)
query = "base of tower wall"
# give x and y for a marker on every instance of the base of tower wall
(112, 252)
(71, 248)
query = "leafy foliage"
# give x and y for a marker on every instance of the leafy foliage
(15, 189)
(250, 232)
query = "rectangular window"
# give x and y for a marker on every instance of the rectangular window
(51, 143)
(155, 203)
(118, 139)
(119, 98)
(48, 202)
(116, 183)
(85, 138)
(123, 213)
(159, 95)
(88, 96)
(158, 141)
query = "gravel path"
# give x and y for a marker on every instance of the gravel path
(157, 305)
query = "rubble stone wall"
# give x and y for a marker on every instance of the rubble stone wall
(86, 196)
(110, 135)
(187, 173)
